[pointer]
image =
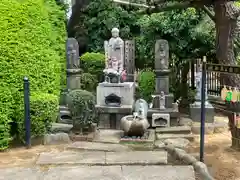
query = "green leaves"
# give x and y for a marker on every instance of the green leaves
(43, 112)
(82, 107)
(33, 45)
(146, 84)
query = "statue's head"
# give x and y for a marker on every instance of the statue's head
(115, 32)
(70, 47)
(162, 93)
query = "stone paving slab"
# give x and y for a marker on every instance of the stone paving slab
(68, 157)
(20, 173)
(136, 157)
(93, 146)
(175, 130)
(158, 172)
(101, 173)
(85, 173)
(190, 137)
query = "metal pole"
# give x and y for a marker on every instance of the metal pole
(203, 110)
(192, 74)
(27, 112)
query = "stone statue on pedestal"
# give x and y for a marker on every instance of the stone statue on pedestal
(73, 61)
(114, 50)
(162, 100)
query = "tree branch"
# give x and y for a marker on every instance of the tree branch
(133, 4)
(170, 6)
(209, 12)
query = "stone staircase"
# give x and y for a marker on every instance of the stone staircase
(178, 135)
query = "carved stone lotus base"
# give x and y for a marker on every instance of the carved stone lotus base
(133, 127)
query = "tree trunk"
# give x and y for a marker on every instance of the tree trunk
(226, 15)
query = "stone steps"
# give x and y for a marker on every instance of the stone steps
(190, 137)
(103, 158)
(95, 146)
(166, 172)
(174, 130)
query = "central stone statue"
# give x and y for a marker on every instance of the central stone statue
(114, 52)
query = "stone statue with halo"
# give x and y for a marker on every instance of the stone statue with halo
(114, 52)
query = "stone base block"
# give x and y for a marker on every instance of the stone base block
(124, 90)
(110, 117)
(195, 112)
(160, 120)
(174, 115)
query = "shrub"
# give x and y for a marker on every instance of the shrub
(5, 118)
(32, 44)
(43, 112)
(88, 82)
(146, 84)
(93, 63)
(82, 106)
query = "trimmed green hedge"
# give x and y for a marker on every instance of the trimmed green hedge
(93, 63)
(32, 44)
(44, 111)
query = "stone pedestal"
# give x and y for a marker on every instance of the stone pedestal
(124, 90)
(109, 116)
(160, 120)
(73, 79)
(195, 112)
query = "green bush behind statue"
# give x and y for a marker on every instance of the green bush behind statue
(146, 84)
(94, 64)
(32, 44)
(82, 107)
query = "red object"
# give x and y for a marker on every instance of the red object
(124, 75)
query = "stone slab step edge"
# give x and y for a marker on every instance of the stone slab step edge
(190, 137)
(103, 158)
(174, 130)
(96, 146)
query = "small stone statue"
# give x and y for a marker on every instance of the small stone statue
(72, 58)
(162, 100)
(115, 52)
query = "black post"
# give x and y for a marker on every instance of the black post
(27, 112)
(203, 110)
(192, 74)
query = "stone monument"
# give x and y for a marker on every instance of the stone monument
(73, 75)
(195, 108)
(163, 108)
(136, 124)
(115, 98)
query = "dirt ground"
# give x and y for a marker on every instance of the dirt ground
(223, 162)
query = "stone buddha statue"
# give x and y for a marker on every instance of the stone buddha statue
(115, 55)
